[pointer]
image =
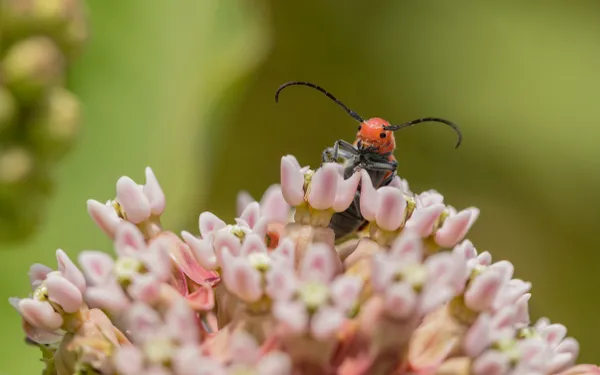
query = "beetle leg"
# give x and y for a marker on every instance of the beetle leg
(347, 146)
(326, 156)
(340, 148)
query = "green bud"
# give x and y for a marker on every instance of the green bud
(8, 109)
(16, 166)
(24, 188)
(54, 18)
(55, 123)
(33, 66)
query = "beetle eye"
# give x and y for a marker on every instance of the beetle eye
(382, 135)
(359, 127)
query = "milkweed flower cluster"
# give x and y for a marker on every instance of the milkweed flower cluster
(39, 117)
(274, 293)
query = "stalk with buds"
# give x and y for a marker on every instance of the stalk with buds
(39, 117)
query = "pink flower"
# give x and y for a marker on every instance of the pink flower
(384, 206)
(159, 339)
(246, 266)
(272, 205)
(327, 189)
(409, 285)
(55, 294)
(410, 296)
(137, 203)
(314, 301)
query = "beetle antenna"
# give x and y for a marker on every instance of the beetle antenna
(353, 114)
(428, 119)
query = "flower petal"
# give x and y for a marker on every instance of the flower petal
(292, 315)
(128, 239)
(281, 283)
(145, 288)
(368, 197)
(273, 205)
(182, 323)
(154, 193)
(98, 266)
(128, 360)
(391, 205)
(382, 271)
(209, 222)
(346, 192)
(37, 274)
(423, 219)
(64, 293)
(483, 290)
(323, 187)
(326, 322)
(244, 348)
(317, 264)
(156, 257)
(253, 243)
(104, 216)
(400, 300)
(345, 290)
(491, 363)
(202, 299)
(142, 321)
(133, 200)
(40, 314)
(408, 248)
(108, 297)
(251, 214)
(466, 250)
(69, 270)
(428, 198)
(478, 336)
(243, 280)
(202, 249)
(456, 227)
(243, 200)
(292, 181)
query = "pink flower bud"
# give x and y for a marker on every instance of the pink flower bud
(37, 274)
(318, 264)
(154, 193)
(384, 206)
(273, 205)
(62, 292)
(105, 216)
(292, 181)
(456, 227)
(423, 219)
(133, 200)
(40, 314)
(70, 271)
(128, 240)
(208, 223)
(98, 266)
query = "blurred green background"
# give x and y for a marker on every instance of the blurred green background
(186, 86)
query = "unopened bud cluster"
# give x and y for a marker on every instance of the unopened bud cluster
(275, 294)
(39, 117)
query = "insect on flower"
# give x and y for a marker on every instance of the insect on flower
(372, 150)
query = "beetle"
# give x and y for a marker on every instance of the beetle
(372, 150)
